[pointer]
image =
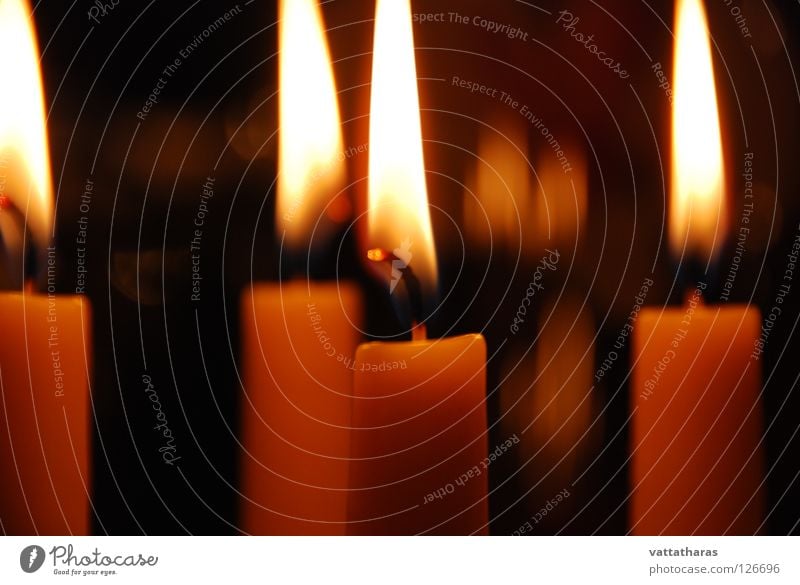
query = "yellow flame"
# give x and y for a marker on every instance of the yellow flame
(310, 157)
(24, 157)
(697, 206)
(398, 198)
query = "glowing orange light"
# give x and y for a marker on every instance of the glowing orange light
(377, 255)
(501, 187)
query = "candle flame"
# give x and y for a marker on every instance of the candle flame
(310, 157)
(397, 196)
(697, 204)
(25, 179)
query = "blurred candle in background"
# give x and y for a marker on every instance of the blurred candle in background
(419, 448)
(560, 200)
(45, 362)
(299, 337)
(548, 399)
(697, 463)
(497, 200)
(513, 206)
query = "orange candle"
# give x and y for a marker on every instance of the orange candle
(419, 456)
(696, 433)
(299, 338)
(44, 414)
(44, 360)
(419, 448)
(697, 463)
(299, 343)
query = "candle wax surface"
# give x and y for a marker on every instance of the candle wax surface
(697, 466)
(45, 361)
(298, 341)
(419, 446)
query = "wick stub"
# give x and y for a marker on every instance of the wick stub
(402, 271)
(693, 297)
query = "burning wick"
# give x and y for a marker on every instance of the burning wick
(20, 261)
(419, 331)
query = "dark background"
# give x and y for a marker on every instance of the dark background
(217, 117)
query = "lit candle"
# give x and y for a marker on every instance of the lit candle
(697, 464)
(44, 356)
(299, 338)
(419, 448)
